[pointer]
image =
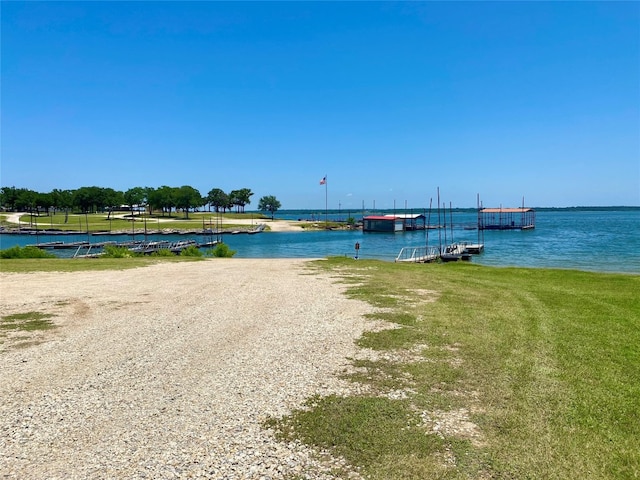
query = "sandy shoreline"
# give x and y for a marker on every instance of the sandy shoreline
(168, 371)
(274, 225)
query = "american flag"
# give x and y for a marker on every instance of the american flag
(324, 180)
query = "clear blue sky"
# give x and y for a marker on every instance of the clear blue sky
(389, 100)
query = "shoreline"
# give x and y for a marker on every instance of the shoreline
(248, 226)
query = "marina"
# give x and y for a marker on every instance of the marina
(603, 239)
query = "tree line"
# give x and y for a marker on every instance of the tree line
(99, 199)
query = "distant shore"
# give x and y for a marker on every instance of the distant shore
(246, 225)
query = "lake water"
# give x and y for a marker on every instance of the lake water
(599, 240)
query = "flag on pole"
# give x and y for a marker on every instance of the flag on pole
(324, 180)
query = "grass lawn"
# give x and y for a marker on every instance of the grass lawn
(27, 265)
(491, 373)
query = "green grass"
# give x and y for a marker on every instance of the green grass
(545, 365)
(86, 264)
(27, 322)
(25, 252)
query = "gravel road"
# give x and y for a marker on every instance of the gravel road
(168, 371)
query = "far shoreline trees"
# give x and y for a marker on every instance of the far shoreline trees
(99, 199)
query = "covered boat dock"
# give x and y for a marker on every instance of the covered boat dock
(506, 218)
(393, 222)
(412, 221)
(382, 223)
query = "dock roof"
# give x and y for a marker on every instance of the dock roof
(381, 217)
(406, 216)
(506, 210)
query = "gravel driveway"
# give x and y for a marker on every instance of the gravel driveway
(168, 371)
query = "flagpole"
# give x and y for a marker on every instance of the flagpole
(326, 202)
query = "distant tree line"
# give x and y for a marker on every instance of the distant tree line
(98, 199)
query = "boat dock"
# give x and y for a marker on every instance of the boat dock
(87, 249)
(418, 254)
(450, 253)
(506, 218)
(472, 248)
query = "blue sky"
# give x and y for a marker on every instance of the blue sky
(390, 100)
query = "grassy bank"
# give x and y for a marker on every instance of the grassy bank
(29, 265)
(490, 373)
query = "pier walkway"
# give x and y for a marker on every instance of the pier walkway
(418, 254)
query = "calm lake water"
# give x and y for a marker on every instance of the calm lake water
(598, 240)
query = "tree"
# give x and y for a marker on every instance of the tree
(62, 200)
(44, 201)
(187, 197)
(8, 197)
(134, 197)
(161, 198)
(89, 198)
(269, 203)
(240, 198)
(243, 197)
(113, 199)
(218, 199)
(234, 200)
(26, 201)
(148, 192)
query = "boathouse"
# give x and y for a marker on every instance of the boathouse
(506, 218)
(412, 221)
(382, 223)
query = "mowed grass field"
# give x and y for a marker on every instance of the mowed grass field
(489, 373)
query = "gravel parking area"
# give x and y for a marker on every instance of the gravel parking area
(168, 371)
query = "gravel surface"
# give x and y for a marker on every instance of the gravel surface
(168, 371)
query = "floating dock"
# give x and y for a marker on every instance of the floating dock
(450, 253)
(87, 249)
(418, 254)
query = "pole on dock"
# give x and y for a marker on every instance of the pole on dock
(439, 225)
(451, 220)
(444, 217)
(428, 224)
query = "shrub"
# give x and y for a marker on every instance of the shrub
(222, 250)
(114, 251)
(191, 251)
(163, 252)
(25, 252)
